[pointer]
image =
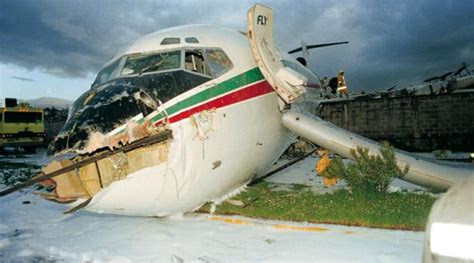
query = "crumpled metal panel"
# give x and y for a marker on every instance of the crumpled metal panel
(104, 108)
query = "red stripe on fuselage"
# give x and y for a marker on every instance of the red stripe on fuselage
(249, 92)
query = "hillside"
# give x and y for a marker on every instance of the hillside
(49, 102)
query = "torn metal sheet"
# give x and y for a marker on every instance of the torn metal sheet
(205, 122)
(120, 102)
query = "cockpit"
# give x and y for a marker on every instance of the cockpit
(137, 83)
(208, 63)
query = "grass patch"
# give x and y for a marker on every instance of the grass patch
(407, 211)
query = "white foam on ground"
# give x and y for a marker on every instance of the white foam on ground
(39, 231)
(39, 158)
(93, 237)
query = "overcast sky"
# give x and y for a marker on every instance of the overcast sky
(54, 48)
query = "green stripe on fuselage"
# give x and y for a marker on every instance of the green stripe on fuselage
(241, 80)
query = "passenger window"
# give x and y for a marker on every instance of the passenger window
(194, 61)
(218, 61)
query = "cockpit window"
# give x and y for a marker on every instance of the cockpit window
(139, 64)
(191, 40)
(195, 61)
(207, 62)
(218, 61)
(170, 41)
(107, 73)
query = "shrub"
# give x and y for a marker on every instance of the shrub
(368, 173)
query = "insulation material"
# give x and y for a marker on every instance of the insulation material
(89, 177)
(113, 168)
(147, 156)
(68, 185)
(131, 132)
(137, 131)
(85, 182)
(96, 141)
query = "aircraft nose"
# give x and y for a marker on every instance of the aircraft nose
(101, 110)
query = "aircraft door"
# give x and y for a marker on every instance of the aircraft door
(288, 83)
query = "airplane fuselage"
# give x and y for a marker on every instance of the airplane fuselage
(226, 130)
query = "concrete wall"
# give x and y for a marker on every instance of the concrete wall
(414, 123)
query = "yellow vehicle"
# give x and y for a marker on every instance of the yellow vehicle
(21, 126)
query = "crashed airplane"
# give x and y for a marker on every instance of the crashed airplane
(190, 115)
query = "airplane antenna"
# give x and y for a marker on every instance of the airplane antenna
(316, 46)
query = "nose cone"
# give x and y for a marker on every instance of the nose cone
(101, 110)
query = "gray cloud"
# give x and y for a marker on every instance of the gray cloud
(392, 42)
(22, 78)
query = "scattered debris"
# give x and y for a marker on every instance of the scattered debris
(235, 202)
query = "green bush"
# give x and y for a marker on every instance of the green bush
(368, 173)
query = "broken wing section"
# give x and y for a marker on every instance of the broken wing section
(288, 83)
(423, 171)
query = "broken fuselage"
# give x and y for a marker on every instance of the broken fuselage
(202, 83)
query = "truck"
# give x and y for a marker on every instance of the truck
(21, 126)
